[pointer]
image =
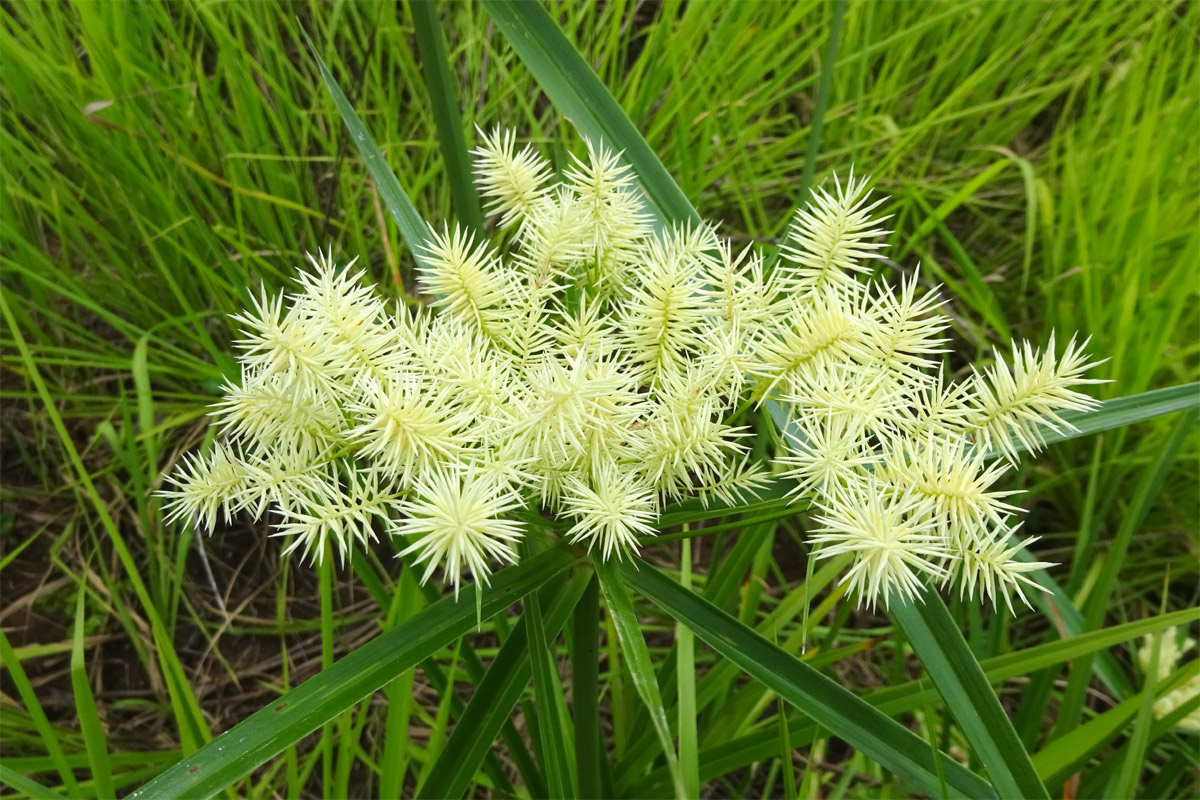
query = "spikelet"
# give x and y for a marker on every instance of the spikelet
(339, 511)
(350, 318)
(831, 237)
(407, 424)
(825, 454)
(275, 410)
(596, 368)
(1013, 403)
(458, 516)
(953, 477)
(816, 332)
(276, 341)
(610, 511)
(206, 487)
(466, 279)
(905, 332)
(661, 320)
(894, 541)
(513, 182)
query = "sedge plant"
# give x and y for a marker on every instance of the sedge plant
(589, 368)
(913, 132)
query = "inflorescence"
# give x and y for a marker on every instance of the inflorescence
(596, 368)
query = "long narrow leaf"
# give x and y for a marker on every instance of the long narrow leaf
(969, 697)
(637, 657)
(547, 691)
(737, 753)
(440, 83)
(585, 681)
(193, 730)
(828, 704)
(411, 226)
(1097, 606)
(27, 786)
(38, 717)
(1065, 755)
(578, 93)
(85, 707)
(495, 696)
(685, 671)
(320, 699)
(824, 90)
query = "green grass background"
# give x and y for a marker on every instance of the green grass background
(161, 162)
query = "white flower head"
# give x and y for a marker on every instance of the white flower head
(204, 487)
(336, 510)
(512, 181)
(832, 236)
(612, 512)
(600, 367)
(407, 424)
(894, 540)
(1013, 403)
(458, 517)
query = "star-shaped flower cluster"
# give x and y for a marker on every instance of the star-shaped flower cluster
(593, 366)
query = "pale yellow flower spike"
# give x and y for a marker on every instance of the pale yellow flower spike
(1014, 402)
(612, 512)
(1170, 653)
(596, 367)
(894, 540)
(513, 182)
(458, 519)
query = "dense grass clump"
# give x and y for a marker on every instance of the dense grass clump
(167, 167)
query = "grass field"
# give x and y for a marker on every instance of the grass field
(162, 162)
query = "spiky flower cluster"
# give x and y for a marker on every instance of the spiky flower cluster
(1170, 651)
(594, 369)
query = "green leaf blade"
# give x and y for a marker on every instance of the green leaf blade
(578, 93)
(831, 706)
(969, 697)
(585, 677)
(637, 656)
(284, 722)
(412, 227)
(547, 693)
(85, 705)
(439, 80)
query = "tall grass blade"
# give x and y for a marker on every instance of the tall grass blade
(493, 701)
(1122, 411)
(1126, 780)
(411, 226)
(907, 697)
(437, 736)
(824, 701)
(1097, 605)
(34, 708)
(578, 93)
(824, 91)
(685, 673)
(944, 653)
(439, 80)
(193, 730)
(320, 699)
(85, 706)
(547, 693)
(1066, 755)
(27, 786)
(585, 691)
(637, 657)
